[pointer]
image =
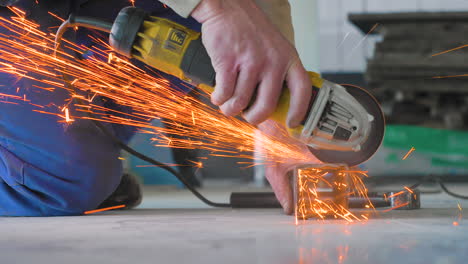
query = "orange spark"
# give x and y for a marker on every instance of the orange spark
(408, 189)
(452, 76)
(396, 207)
(396, 194)
(363, 39)
(460, 213)
(20, 13)
(120, 158)
(110, 58)
(104, 209)
(197, 164)
(67, 116)
(409, 153)
(450, 50)
(57, 17)
(455, 223)
(193, 118)
(373, 28)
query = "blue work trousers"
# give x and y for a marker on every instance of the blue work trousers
(51, 168)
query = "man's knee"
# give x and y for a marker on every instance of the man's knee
(70, 190)
(92, 186)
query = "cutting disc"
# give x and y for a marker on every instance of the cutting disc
(373, 142)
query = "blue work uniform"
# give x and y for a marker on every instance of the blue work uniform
(48, 168)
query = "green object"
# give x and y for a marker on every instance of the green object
(437, 152)
(393, 158)
(441, 162)
(426, 140)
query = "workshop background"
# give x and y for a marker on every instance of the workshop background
(427, 114)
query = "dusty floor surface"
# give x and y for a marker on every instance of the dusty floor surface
(182, 230)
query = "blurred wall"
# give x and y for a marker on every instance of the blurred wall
(305, 22)
(343, 47)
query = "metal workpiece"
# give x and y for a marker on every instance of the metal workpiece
(404, 200)
(396, 200)
(329, 190)
(320, 191)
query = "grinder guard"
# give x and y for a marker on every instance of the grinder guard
(363, 141)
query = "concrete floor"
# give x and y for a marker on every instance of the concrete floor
(182, 230)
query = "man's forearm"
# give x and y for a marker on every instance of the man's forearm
(182, 7)
(278, 11)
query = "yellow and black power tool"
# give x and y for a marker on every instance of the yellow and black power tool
(344, 124)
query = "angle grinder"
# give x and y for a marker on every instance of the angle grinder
(345, 124)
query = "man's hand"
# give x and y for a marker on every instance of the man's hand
(250, 55)
(277, 174)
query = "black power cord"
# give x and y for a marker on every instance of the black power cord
(437, 179)
(159, 164)
(447, 191)
(80, 21)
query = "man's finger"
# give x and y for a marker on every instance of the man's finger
(245, 85)
(225, 84)
(300, 87)
(281, 184)
(268, 93)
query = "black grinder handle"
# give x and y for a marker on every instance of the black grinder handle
(196, 64)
